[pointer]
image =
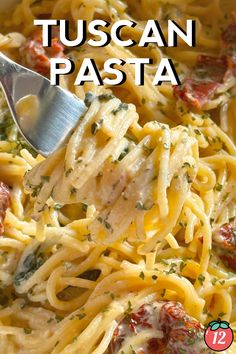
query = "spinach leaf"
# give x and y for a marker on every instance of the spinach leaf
(31, 263)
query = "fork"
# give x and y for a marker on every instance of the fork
(44, 114)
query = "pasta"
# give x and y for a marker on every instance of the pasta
(139, 206)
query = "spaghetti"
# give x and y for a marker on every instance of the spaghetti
(138, 210)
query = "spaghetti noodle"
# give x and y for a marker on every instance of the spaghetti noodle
(138, 209)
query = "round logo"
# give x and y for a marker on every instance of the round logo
(218, 336)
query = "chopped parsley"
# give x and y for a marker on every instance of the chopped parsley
(57, 206)
(105, 223)
(123, 153)
(96, 126)
(129, 308)
(9, 132)
(205, 116)
(172, 268)
(84, 207)
(147, 149)
(163, 293)
(141, 206)
(218, 187)
(225, 197)
(27, 330)
(68, 172)
(189, 179)
(105, 97)
(132, 350)
(142, 275)
(182, 265)
(201, 279)
(211, 221)
(50, 320)
(81, 316)
(222, 314)
(163, 261)
(186, 164)
(36, 189)
(112, 296)
(58, 318)
(214, 281)
(89, 97)
(122, 106)
(45, 178)
(183, 224)
(196, 131)
(105, 309)
(73, 191)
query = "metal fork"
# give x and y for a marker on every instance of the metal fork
(55, 111)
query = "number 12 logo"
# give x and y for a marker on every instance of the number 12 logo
(218, 336)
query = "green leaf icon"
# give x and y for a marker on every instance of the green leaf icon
(212, 323)
(224, 324)
(215, 327)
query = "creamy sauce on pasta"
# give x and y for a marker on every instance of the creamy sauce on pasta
(139, 207)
